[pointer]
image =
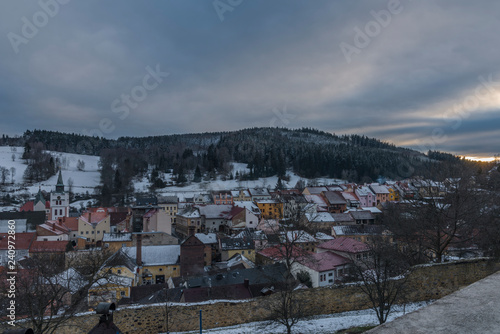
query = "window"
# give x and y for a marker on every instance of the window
(92, 232)
(86, 232)
(122, 293)
(98, 232)
(330, 274)
(81, 232)
(330, 281)
(175, 268)
(161, 269)
(119, 271)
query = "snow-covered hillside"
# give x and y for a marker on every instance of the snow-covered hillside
(219, 184)
(86, 180)
(89, 178)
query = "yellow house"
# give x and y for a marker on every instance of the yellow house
(93, 225)
(393, 194)
(115, 241)
(229, 247)
(119, 275)
(157, 263)
(188, 222)
(270, 209)
(128, 267)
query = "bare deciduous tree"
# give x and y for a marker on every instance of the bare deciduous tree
(446, 214)
(286, 308)
(53, 288)
(382, 277)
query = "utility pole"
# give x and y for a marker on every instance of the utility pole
(201, 323)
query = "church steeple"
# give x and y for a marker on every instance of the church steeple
(60, 184)
(39, 197)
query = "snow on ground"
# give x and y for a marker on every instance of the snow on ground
(6, 154)
(83, 181)
(89, 178)
(207, 186)
(325, 324)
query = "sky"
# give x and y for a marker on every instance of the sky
(424, 75)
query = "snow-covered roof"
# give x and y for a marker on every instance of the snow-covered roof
(69, 279)
(189, 212)
(379, 189)
(320, 217)
(117, 237)
(156, 255)
(372, 209)
(259, 192)
(364, 191)
(115, 280)
(268, 201)
(350, 196)
(213, 211)
(207, 238)
(300, 236)
(250, 206)
(323, 236)
(315, 199)
(361, 215)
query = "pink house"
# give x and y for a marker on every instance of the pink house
(366, 197)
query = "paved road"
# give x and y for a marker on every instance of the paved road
(474, 309)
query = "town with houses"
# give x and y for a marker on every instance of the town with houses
(218, 245)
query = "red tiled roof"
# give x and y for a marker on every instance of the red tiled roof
(23, 240)
(117, 217)
(235, 210)
(344, 244)
(279, 252)
(96, 217)
(324, 261)
(48, 246)
(55, 227)
(28, 206)
(71, 223)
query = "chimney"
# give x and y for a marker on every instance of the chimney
(139, 249)
(90, 217)
(53, 226)
(246, 283)
(127, 222)
(64, 219)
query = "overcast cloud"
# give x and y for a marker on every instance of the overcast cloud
(426, 76)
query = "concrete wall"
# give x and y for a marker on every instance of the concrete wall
(426, 282)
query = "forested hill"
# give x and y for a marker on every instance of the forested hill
(267, 151)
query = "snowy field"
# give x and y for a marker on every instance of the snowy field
(89, 178)
(326, 324)
(207, 186)
(86, 180)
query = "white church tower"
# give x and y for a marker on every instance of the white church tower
(59, 200)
